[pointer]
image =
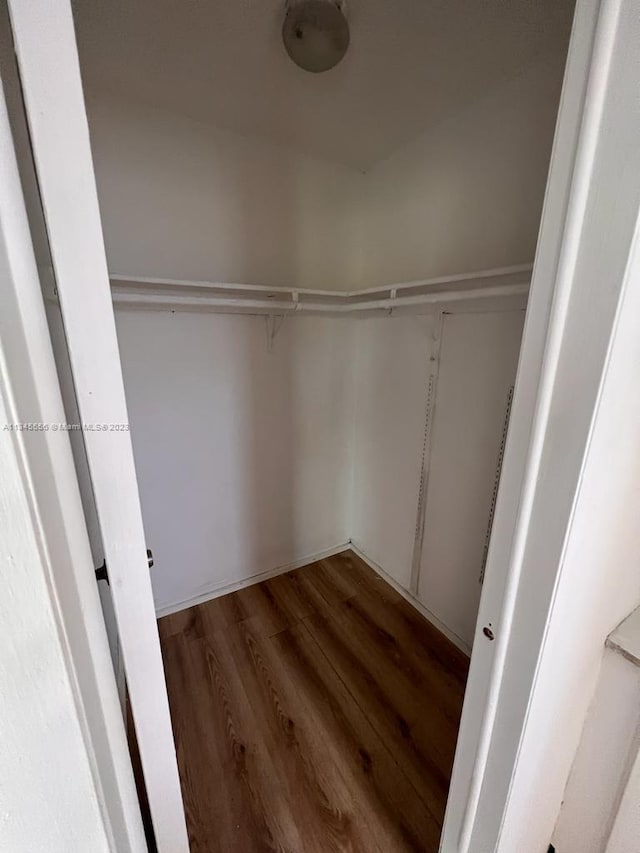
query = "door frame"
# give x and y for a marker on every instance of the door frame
(580, 278)
(49, 475)
(477, 810)
(48, 66)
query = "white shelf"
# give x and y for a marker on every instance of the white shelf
(503, 284)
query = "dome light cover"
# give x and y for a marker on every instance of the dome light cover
(315, 33)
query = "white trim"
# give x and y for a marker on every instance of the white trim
(225, 587)
(408, 596)
(470, 763)
(590, 204)
(46, 51)
(51, 486)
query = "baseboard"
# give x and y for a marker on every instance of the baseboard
(408, 596)
(225, 587)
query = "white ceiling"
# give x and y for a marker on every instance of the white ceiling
(410, 63)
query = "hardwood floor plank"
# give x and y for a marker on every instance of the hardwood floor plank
(314, 712)
(327, 588)
(184, 623)
(360, 577)
(305, 776)
(452, 660)
(390, 703)
(388, 631)
(200, 731)
(293, 596)
(388, 798)
(266, 790)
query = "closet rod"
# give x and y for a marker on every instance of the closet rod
(497, 272)
(278, 306)
(519, 272)
(149, 293)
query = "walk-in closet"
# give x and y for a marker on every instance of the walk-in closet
(320, 221)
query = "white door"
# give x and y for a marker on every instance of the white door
(67, 387)
(45, 46)
(21, 145)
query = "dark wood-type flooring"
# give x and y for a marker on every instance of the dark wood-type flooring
(316, 711)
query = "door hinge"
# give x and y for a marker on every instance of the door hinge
(103, 575)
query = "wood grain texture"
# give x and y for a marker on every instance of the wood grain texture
(316, 711)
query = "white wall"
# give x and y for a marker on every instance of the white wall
(183, 200)
(242, 455)
(467, 195)
(477, 365)
(390, 390)
(248, 460)
(478, 361)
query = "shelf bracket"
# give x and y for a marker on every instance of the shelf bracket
(273, 324)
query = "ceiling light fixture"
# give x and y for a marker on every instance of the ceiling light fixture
(315, 33)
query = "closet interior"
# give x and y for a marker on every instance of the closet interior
(320, 283)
